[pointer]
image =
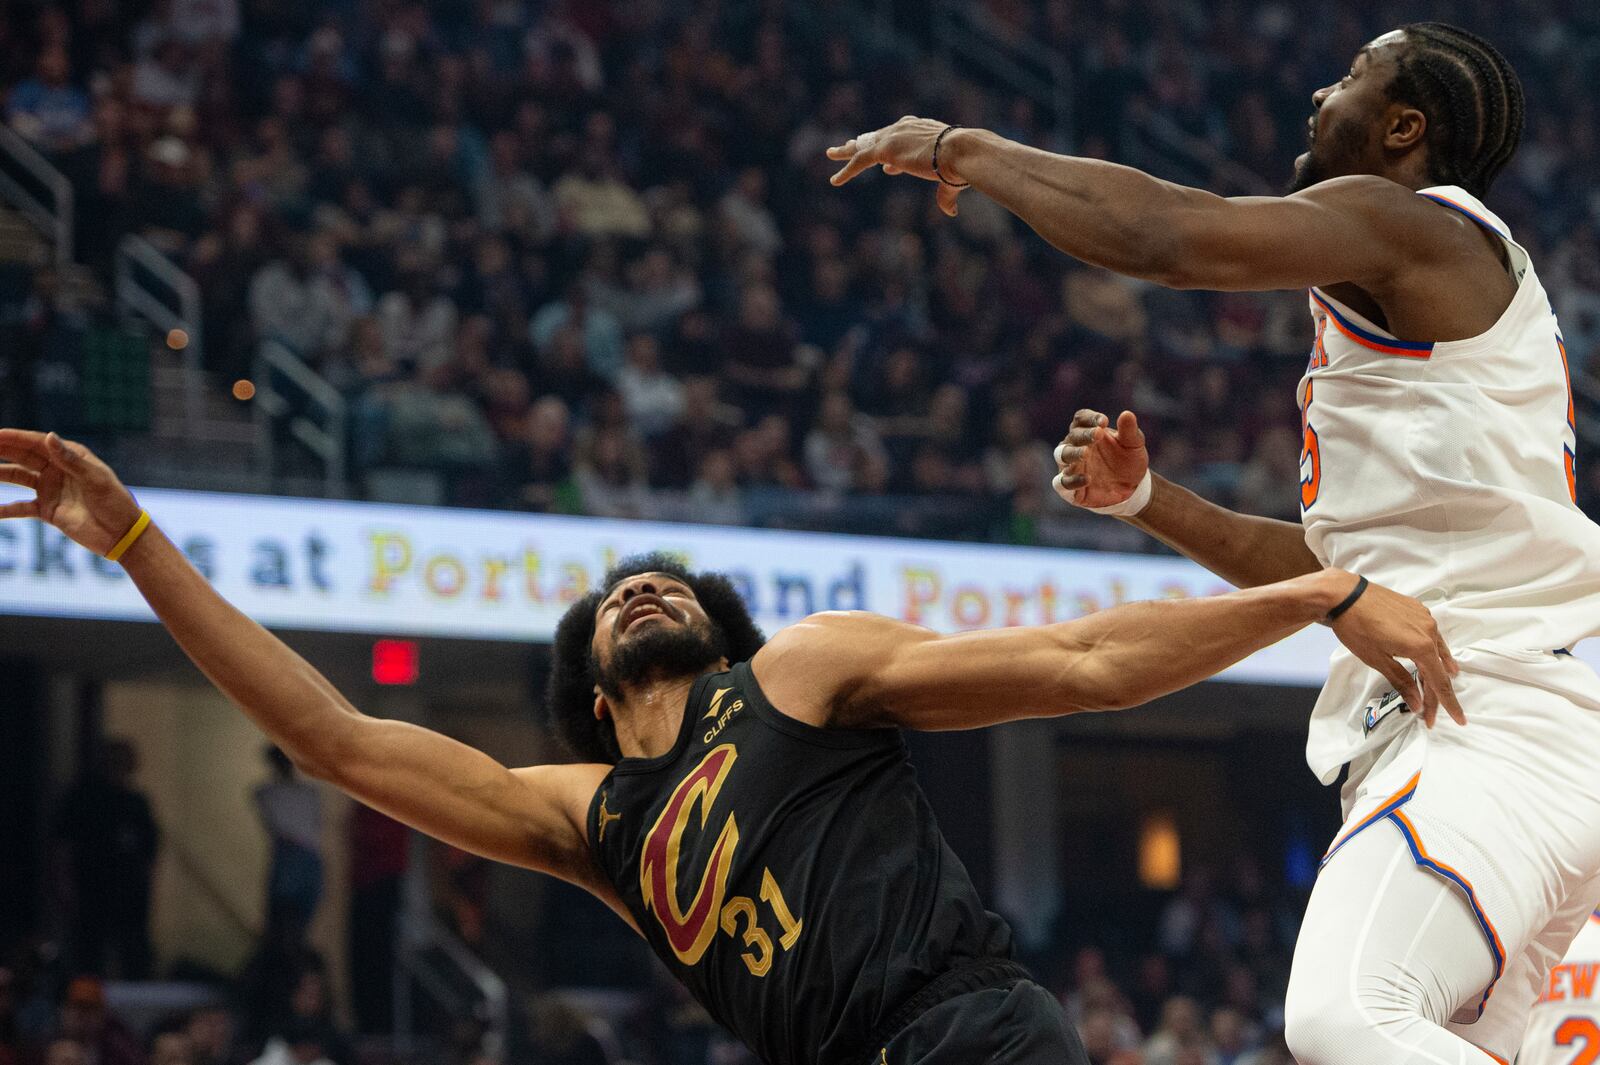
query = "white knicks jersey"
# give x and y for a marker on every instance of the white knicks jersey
(1445, 471)
(1564, 1026)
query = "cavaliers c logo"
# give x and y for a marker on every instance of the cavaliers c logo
(690, 929)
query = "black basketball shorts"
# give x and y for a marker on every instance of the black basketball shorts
(1022, 1024)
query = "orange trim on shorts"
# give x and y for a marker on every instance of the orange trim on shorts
(1388, 806)
(1423, 858)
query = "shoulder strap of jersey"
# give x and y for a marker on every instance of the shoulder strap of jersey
(1459, 199)
(812, 734)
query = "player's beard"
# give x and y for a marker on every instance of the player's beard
(658, 652)
(1321, 162)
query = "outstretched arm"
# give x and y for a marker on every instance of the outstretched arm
(1364, 230)
(534, 817)
(862, 669)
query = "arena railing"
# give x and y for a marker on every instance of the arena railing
(150, 286)
(48, 203)
(430, 957)
(1202, 160)
(1025, 66)
(1044, 75)
(291, 394)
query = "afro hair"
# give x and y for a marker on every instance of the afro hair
(569, 699)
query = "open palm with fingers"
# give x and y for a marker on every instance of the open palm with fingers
(73, 490)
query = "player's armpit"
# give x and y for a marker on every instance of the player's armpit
(568, 790)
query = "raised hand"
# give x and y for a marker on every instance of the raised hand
(903, 148)
(1384, 626)
(73, 490)
(1100, 466)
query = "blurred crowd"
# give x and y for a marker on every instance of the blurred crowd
(78, 997)
(582, 256)
(1204, 987)
(90, 1021)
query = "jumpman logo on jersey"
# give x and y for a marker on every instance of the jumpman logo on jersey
(606, 817)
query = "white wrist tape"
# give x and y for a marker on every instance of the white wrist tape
(1125, 509)
(1134, 503)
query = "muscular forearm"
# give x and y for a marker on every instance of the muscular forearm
(1102, 213)
(290, 701)
(856, 670)
(1131, 654)
(1242, 549)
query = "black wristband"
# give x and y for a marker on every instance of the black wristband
(1349, 601)
(936, 142)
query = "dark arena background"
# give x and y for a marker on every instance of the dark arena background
(405, 319)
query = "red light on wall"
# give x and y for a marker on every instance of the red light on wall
(395, 661)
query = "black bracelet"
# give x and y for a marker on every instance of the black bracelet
(936, 142)
(1349, 601)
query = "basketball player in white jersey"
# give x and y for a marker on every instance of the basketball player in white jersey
(1438, 460)
(1564, 1028)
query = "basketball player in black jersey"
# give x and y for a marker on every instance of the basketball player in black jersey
(745, 805)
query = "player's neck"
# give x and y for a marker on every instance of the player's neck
(1412, 172)
(649, 716)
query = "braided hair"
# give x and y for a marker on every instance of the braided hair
(1472, 97)
(574, 671)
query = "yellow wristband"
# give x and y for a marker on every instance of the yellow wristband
(116, 553)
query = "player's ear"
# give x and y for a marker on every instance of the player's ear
(1406, 128)
(602, 708)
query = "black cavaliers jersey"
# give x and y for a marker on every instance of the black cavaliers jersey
(792, 877)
